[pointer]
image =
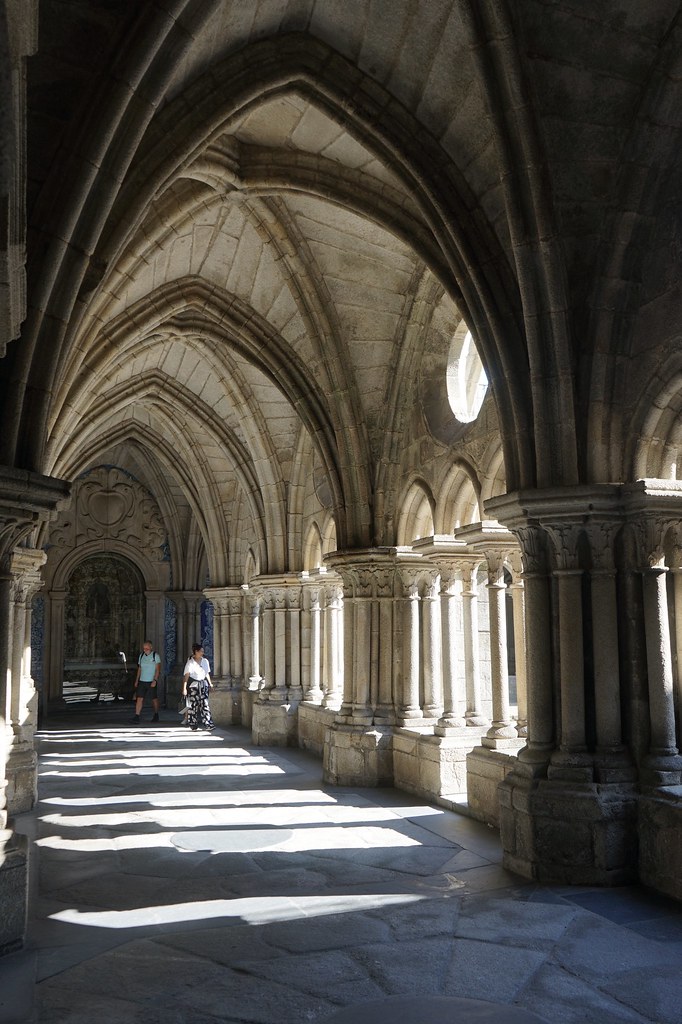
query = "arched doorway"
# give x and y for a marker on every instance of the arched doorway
(103, 627)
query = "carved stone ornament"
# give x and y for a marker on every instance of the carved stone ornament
(109, 505)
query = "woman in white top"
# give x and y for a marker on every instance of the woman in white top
(196, 683)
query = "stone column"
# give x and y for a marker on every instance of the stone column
(472, 672)
(564, 814)
(432, 648)
(311, 639)
(359, 748)
(275, 710)
(517, 588)
(55, 614)
(26, 500)
(501, 729)
(254, 612)
(453, 700)
(235, 625)
(25, 565)
(540, 703)
(663, 761)
(221, 633)
(409, 704)
(333, 646)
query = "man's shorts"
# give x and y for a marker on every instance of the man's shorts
(144, 688)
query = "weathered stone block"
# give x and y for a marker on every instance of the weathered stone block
(13, 891)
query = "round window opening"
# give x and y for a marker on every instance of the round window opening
(466, 379)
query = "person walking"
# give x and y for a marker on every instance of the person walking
(196, 683)
(146, 680)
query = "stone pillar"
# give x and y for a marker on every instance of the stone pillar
(55, 613)
(235, 610)
(472, 672)
(489, 763)
(254, 611)
(517, 588)
(676, 571)
(311, 641)
(409, 707)
(663, 762)
(333, 645)
(432, 664)
(274, 721)
(25, 565)
(221, 634)
(26, 500)
(501, 729)
(358, 750)
(568, 806)
(453, 700)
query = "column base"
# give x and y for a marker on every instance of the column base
(13, 890)
(274, 724)
(22, 779)
(357, 756)
(578, 834)
(660, 841)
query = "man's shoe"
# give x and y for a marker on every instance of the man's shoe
(136, 719)
(155, 718)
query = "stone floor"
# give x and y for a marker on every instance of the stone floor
(191, 878)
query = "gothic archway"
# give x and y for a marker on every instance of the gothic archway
(103, 624)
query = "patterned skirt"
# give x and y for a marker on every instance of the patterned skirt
(198, 710)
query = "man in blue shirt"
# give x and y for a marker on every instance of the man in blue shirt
(146, 680)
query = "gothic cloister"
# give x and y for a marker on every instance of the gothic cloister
(346, 339)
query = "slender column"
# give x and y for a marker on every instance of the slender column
(431, 647)
(538, 648)
(385, 711)
(472, 671)
(221, 639)
(235, 649)
(18, 638)
(677, 591)
(410, 708)
(606, 667)
(312, 688)
(362, 656)
(659, 662)
(519, 609)
(333, 648)
(54, 650)
(268, 645)
(501, 727)
(571, 672)
(451, 718)
(254, 677)
(293, 652)
(5, 734)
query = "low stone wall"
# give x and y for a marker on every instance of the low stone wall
(433, 767)
(660, 847)
(486, 769)
(226, 704)
(313, 722)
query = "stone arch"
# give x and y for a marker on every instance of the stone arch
(416, 513)
(657, 438)
(312, 548)
(459, 498)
